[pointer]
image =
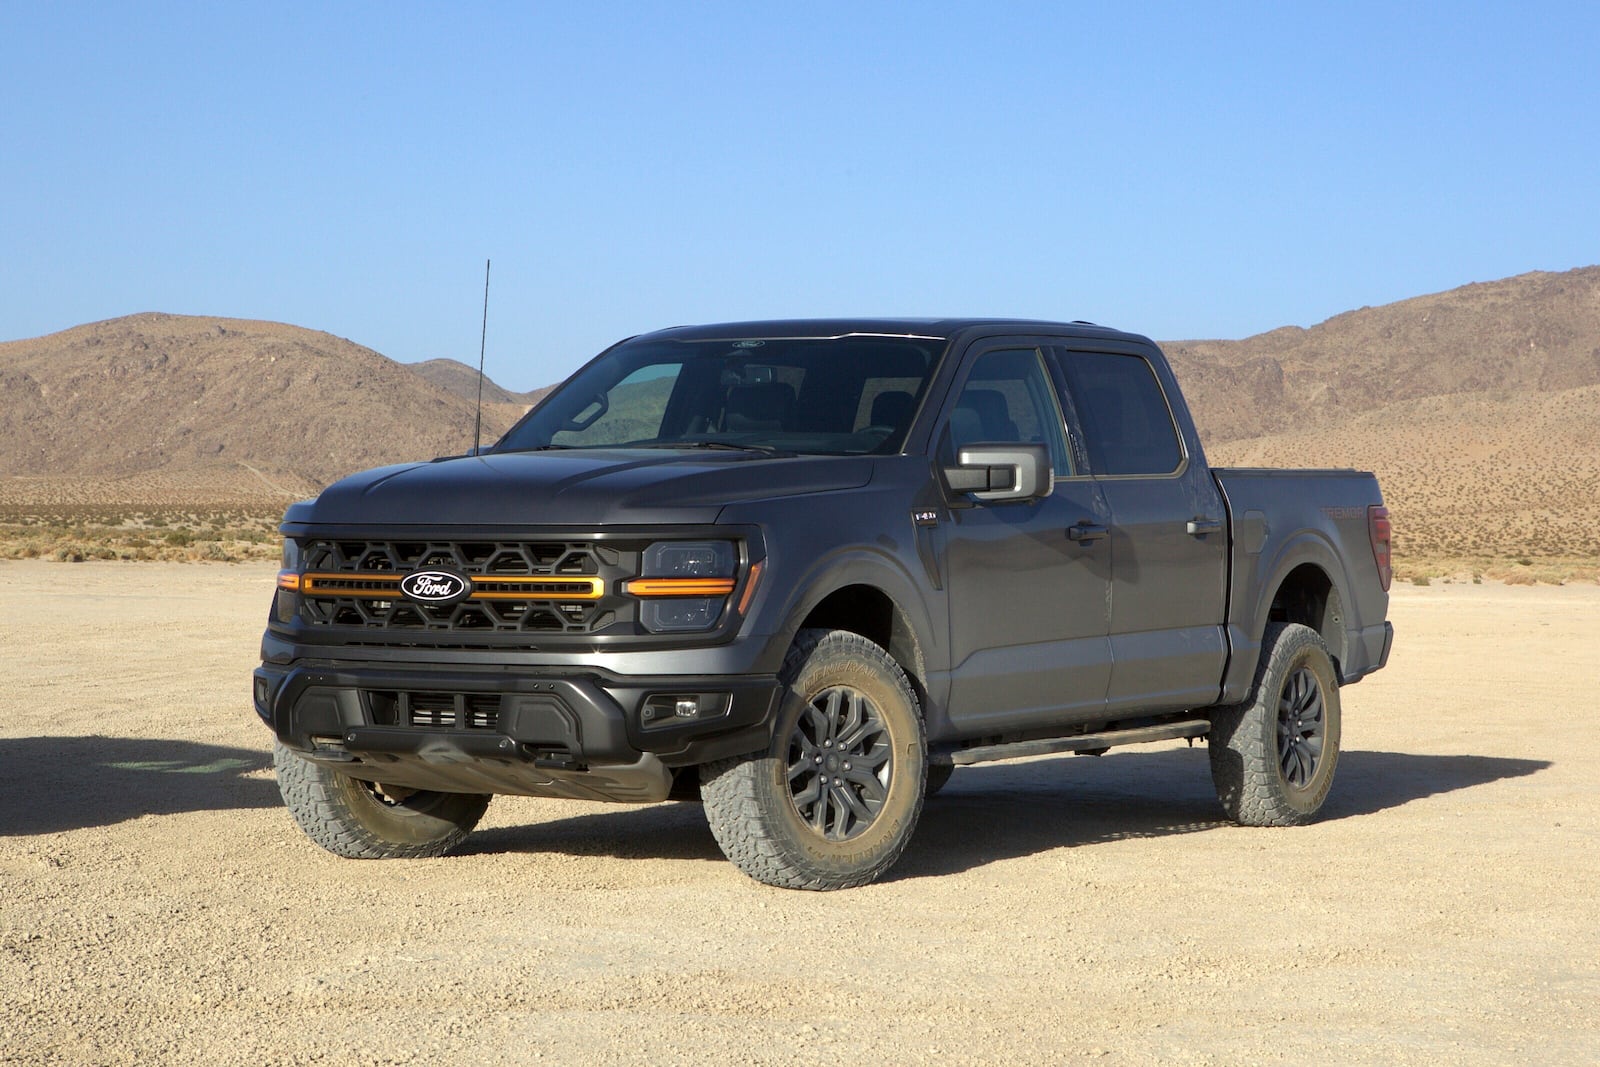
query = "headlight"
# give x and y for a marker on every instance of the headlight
(683, 585)
(284, 602)
(689, 559)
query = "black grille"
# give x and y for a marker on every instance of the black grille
(469, 557)
(443, 711)
(355, 583)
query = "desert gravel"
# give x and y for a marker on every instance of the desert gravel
(157, 905)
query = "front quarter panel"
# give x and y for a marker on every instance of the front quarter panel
(819, 544)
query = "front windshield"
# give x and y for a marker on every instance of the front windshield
(822, 396)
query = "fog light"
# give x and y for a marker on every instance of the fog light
(663, 709)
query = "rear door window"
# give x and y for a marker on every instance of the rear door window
(1127, 425)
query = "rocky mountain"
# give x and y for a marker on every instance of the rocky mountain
(1533, 335)
(462, 380)
(1479, 408)
(156, 392)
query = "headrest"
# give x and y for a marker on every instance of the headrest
(892, 408)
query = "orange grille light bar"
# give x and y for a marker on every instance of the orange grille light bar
(679, 586)
(537, 589)
(497, 587)
(289, 580)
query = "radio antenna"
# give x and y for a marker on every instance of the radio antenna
(477, 422)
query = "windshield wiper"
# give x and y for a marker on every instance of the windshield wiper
(731, 446)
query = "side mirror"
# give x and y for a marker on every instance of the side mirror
(997, 474)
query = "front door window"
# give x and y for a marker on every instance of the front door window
(1007, 400)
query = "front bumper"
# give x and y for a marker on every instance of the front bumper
(495, 730)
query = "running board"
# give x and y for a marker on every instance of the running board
(1080, 743)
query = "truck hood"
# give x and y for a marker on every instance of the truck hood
(578, 488)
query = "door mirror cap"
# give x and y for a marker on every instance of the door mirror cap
(1002, 473)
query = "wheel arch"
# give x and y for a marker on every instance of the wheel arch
(868, 596)
(1309, 596)
(1308, 585)
(868, 610)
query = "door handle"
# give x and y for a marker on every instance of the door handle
(1086, 531)
(1202, 526)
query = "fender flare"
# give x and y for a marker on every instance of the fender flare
(858, 566)
(1305, 546)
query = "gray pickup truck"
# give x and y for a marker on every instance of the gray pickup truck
(804, 570)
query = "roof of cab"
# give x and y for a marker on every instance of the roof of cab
(773, 329)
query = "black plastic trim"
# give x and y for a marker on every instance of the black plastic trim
(572, 719)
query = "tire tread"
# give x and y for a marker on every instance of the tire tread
(315, 798)
(734, 809)
(1243, 749)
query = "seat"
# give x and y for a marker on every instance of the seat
(762, 406)
(993, 415)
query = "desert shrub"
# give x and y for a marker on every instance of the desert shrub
(208, 550)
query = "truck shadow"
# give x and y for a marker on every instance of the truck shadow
(52, 784)
(1005, 811)
(673, 831)
(992, 813)
(1369, 782)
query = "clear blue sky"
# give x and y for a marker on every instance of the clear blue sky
(1185, 170)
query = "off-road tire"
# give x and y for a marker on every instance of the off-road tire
(767, 829)
(357, 820)
(1273, 757)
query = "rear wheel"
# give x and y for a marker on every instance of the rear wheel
(1273, 757)
(364, 820)
(834, 799)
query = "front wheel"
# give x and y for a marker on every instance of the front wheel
(1273, 757)
(364, 820)
(833, 801)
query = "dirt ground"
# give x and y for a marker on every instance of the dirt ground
(157, 905)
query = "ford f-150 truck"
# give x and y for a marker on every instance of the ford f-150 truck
(809, 568)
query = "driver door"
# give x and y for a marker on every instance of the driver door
(1029, 581)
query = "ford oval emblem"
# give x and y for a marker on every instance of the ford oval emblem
(435, 587)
